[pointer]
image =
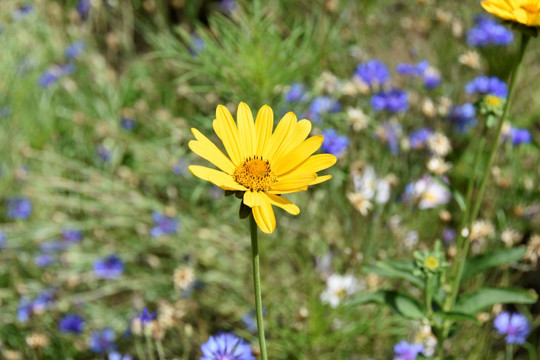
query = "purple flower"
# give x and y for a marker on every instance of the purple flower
(18, 208)
(2, 240)
(128, 124)
(24, 310)
(180, 167)
(75, 49)
(22, 12)
(463, 117)
(487, 31)
(52, 246)
(83, 8)
(322, 105)
(228, 6)
(333, 143)
(297, 93)
(55, 73)
(389, 133)
(394, 101)
(405, 351)
(146, 316)
(103, 153)
(109, 268)
(117, 356)
(43, 260)
(197, 45)
(412, 69)
(418, 138)
(485, 85)
(102, 341)
(71, 323)
(72, 235)
(514, 326)
(164, 225)
(449, 235)
(250, 322)
(432, 78)
(44, 299)
(226, 346)
(520, 136)
(372, 72)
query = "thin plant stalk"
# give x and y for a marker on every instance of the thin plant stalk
(476, 203)
(509, 352)
(257, 285)
(160, 350)
(149, 346)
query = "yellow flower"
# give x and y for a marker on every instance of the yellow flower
(260, 163)
(526, 12)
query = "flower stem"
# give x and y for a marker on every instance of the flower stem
(509, 352)
(473, 205)
(257, 285)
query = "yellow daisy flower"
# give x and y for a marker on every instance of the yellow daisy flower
(260, 163)
(526, 12)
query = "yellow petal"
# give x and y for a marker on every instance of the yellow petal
(209, 151)
(253, 198)
(298, 133)
(321, 179)
(216, 177)
(292, 183)
(263, 128)
(298, 155)
(225, 128)
(282, 203)
(265, 218)
(282, 129)
(314, 164)
(246, 129)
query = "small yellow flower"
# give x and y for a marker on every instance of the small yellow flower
(526, 12)
(261, 163)
(431, 263)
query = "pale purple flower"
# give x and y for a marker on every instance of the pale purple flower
(514, 326)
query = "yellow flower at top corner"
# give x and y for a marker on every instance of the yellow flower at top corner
(261, 163)
(526, 12)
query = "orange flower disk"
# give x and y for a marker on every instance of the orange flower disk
(262, 163)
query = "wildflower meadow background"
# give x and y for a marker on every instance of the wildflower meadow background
(425, 244)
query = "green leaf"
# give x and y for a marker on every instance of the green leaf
(456, 316)
(400, 303)
(483, 299)
(477, 264)
(396, 269)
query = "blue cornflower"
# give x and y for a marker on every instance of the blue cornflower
(197, 45)
(72, 235)
(117, 356)
(103, 153)
(43, 260)
(394, 101)
(55, 73)
(164, 225)
(389, 133)
(18, 208)
(75, 49)
(463, 117)
(228, 6)
(412, 69)
(5, 112)
(487, 31)
(333, 143)
(514, 326)
(449, 235)
(485, 85)
(432, 78)
(102, 341)
(83, 8)
(520, 136)
(52, 246)
(418, 138)
(128, 124)
(109, 268)
(2, 240)
(297, 93)
(226, 346)
(180, 167)
(405, 351)
(322, 105)
(24, 310)
(22, 12)
(372, 72)
(44, 299)
(146, 316)
(71, 323)
(250, 322)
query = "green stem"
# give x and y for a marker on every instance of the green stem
(257, 285)
(139, 350)
(470, 216)
(149, 345)
(161, 351)
(509, 352)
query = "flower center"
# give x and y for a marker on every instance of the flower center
(255, 174)
(431, 263)
(530, 7)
